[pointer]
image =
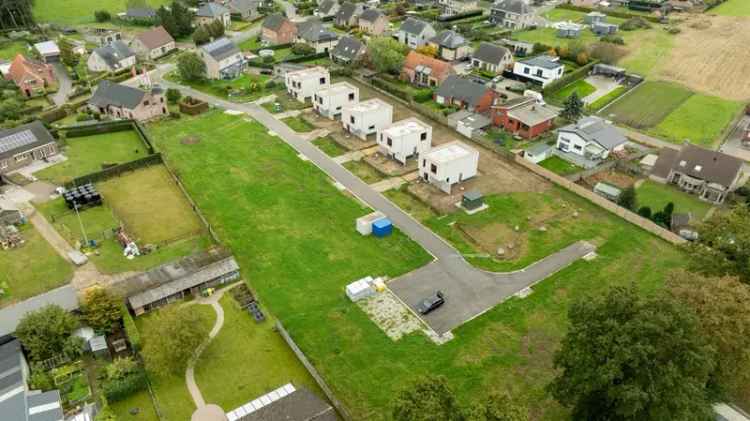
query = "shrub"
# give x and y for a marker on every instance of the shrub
(268, 59)
(423, 95)
(635, 23)
(270, 84)
(102, 16)
(301, 49)
(173, 95)
(613, 39)
(175, 115)
(120, 388)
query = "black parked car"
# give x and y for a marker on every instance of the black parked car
(431, 303)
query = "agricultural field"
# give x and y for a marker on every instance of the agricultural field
(739, 8)
(74, 12)
(656, 196)
(606, 99)
(646, 50)
(292, 233)
(88, 154)
(32, 269)
(648, 104)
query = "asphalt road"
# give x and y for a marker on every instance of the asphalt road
(469, 291)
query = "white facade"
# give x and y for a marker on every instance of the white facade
(449, 164)
(303, 84)
(97, 64)
(329, 102)
(539, 69)
(366, 117)
(572, 142)
(404, 139)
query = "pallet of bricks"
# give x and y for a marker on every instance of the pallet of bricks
(247, 301)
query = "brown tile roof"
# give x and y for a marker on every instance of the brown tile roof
(697, 162)
(22, 69)
(155, 38)
(440, 69)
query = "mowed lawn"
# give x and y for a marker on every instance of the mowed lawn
(31, 269)
(548, 36)
(246, 87)
(560, 166)
(656, 196)
(580, 87)
(87, 154)
(72, 12)
(293, 234)
(560, 15)
(732, 8)
(648, 104)
(10, 49)
(701, 119)
(150, 204)
(253, 355)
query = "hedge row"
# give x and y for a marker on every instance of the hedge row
(299, 59)
(117, 390)
(99, 128)
(134, 336)
(571, 77)
(614, 14)
(389, 87)
(108, 173)
(273, 47)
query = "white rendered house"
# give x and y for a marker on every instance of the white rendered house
(366, 117)
(303, 84)
(404, 139)
(448, 164)
(329, 102)
(540, 69)
(592, 138)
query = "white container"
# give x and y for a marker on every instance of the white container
(360, 289)
(364, 223)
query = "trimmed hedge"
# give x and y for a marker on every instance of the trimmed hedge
(134, 336)
(389, 87)
(614, 14)
(53, 115)
(99, 128)
(110, 172)
(273, 47)
(299, 59)
(117, 390)
(571, 77)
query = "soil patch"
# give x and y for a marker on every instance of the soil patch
(613, 177)
(489, 238)
(190, 140)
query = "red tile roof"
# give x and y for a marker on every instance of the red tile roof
(440, 69)
(23, 69)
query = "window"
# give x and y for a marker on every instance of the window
(322, 81)
(145, 102)
(320, 100)
(351, 96)
(390, 142)
(351, 119)
(371, 128)
(433, 168)
(3, 164)
(424, 162)
(577, 147)
(20, 158)
(539, 73)
(448, 180)
(526, 70)
(423, 136)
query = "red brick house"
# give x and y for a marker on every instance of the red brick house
(32, 77)
(422, 70)
(277, 29)
(523, 116)
(465, 93)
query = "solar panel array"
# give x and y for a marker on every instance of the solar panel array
(16, 140)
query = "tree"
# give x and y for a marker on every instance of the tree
(173, 95)
(426, 400)
(68, 57)
(631, 358)
(172, 338)
(191, 67)
(165, 18)
(215, 29)
(101, 310)
(498, 407)
(102, 16)
(428, 50)
(628, 199)
(387, 54)
(302, 49)
(723, 246)
(183, 19)
(645, 212)
(722, 305)
(573, 107)
(44, 332)
(201, 35)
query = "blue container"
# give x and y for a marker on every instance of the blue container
(382, 227)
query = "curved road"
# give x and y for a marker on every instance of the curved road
(469, 291)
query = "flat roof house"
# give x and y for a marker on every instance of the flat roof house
(211, 12)
(708, 174)
(405, 139)
(121, 101)
(449, 164)
(492, 58)
(303, 84)
(591, 137)
(366, 117)
(373, 21)
(422, 70)
(277, 30)
(154, 43)
(48, 51)
(450, 45)
(524, 116)
(512, 14)
(223, 59)
(540, 69)
(314, 34)
(330, 101)
(24, 144)
(139, 14)
(348, 50)
(465, 93)
(415, 33)
(111, 57)
(30, 76)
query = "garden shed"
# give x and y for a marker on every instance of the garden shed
(607, 191)
(472, 199)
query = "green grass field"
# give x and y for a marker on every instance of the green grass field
(252, 355)
(560, 15)
(141, 401)
(649, 104)
(548, 36)
(10, 49)
(648, 49)
(299, 124)
(365, 171)
(293, 234)
(251, 43)
(732, 8)
(581, 87)
(329, 146)
(87, 154)
(560, 166)
(656, 196)
(244, 88)
(31, 269)
(606, 99)
(72, 12)
(701, 119)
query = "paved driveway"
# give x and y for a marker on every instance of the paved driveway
(65, 84)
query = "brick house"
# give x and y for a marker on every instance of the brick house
(277, 29)
(120, 101)
(153, 43)
(212, 12)
(32, 77)
(373, 22)
(523, 116)
(111, 58)
(422, 70)
(22, 145)
(465, 93)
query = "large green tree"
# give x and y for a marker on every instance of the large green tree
(171, 339)
(45, 333)
(572, 107)
(191, 67)
(387, 54)
(428, 399)
(723, 247)
(631, 358)
(101, 310)
(498, 407)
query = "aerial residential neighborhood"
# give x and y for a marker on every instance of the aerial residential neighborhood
(301, 210)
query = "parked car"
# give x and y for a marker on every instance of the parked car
(431, 303)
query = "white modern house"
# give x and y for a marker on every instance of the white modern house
(591, 137)
(405, 139)
(540, 69)
(223, 59)
(303, 84)
(366, 117)
(449, 164)
(329, 102)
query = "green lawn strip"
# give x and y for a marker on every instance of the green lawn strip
(410, 204)
(648, 50)
(649, 104)
(298, 124)
(140, 400)
(245, 88)
(329, 146)
(732, 8)
(87, 154)
(656, 196)
(31, 269)
(701, 119)
(365, 171)
(581, 87)
(548, 36)
(249, 44)
(71, 12)
(560, 166)
(286, 103)
(254, 356)
(10, 49)
(606, 99)
(171, 392)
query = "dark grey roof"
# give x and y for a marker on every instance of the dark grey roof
(221, 48)
(300, 405)
(23, 138)
(463, 89)
(449, 39)
(313, 31)
(274, 22)
(414, 26)
(64, 297)
(110, 93)
(370, 15)
(348, 10)
(113, 53)
(45, 406)
(490, 53)
(211, 10)
(704, 164)
(141, 13)
(543, 61)
(326, 5)
(512, 6)
(243, 6)
(348, 48)
(595, 129)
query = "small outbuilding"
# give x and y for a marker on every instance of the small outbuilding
(472, 200)
(472, 124)
(366, 117)
(48, 51)
(364, 223)
(98, 346)
(604, 29)
(382, 227)
(360, 289)
(607, 191)
(569, 30)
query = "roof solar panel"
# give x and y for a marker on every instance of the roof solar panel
(16, 140)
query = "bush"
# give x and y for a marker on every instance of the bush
(301, 49)
(175, 115)
(120, 388)
(83, 117)
(173, 95)
(423, 95)
(613, 39)
(102, 16)
(130, 328)
(267, 59)
(635, 23)
(270, 84)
